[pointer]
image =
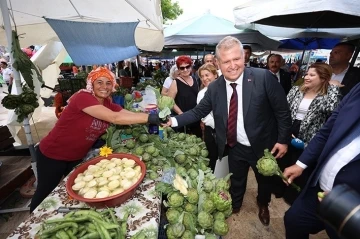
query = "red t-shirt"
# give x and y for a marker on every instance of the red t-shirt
(75, 131)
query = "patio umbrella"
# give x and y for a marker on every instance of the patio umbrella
(210, 29)
(309, 43)
(301, 13)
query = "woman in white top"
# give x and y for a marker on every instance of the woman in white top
(310, 104)
(167, 83)
(208, 74)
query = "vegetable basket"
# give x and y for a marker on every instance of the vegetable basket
(111, 201)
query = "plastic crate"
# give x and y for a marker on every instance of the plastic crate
(126, 81)
(72, 84)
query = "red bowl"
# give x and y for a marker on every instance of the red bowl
(111, 201)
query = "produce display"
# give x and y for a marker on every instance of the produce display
(107, 178)
(85, 224)
(197, 202)
(268, 166)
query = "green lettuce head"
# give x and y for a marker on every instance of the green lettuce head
(192, 196)
(172, 215)
(205, 220)
(221, 228)
(222, 200)
(175, 199)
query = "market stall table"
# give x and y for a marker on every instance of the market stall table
(144, 207)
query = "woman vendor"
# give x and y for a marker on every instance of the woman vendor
(86, 117)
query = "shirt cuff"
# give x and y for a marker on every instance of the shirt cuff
(174, 122)
(301, 165)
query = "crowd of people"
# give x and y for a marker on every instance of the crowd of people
(245, 109)
(239, 108)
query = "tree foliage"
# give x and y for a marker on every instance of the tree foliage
(170, 10)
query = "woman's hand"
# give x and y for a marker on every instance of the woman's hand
(336, 83)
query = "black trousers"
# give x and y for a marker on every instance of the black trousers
(301, 219)
(210, 142)
(242, 157)
(281, 190)
(50, 173)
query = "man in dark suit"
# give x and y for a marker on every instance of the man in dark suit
(339, 59)
(247, 54)
(336, 153)
(283, 77)
(251, 114)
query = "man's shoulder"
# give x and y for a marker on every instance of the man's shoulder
(354, 69)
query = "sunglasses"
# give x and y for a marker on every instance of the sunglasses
(184, 67)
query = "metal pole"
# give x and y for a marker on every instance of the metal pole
(17, 81)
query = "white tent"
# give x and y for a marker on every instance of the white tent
(210, 29)
(300, 13)
(29, 18)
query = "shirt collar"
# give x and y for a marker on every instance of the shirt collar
(238, 81)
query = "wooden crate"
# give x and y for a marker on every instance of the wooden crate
(126, 81)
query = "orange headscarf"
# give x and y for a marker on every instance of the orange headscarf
(95, 74)
(101, 72)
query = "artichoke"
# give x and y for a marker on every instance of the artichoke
(222, 200)
(205, 220)
(267, 166)
(192, 196)
(172, 215)
(221, 228)
(175, 199)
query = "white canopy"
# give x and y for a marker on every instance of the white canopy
(300, 13)
(29, 18)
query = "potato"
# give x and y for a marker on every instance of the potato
(78, 186)
(102, 194)
(114, 184)
(92, 183)
(88, 178)
(114, 177)
(108, 173)
(78, 179)
(116, 191)
(90, 194)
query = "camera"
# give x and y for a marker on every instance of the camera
(341, 210)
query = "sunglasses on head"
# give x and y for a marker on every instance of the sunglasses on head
(184, 67)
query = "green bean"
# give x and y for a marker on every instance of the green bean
(104, 232)
(98, 229)
(105, 224)
(112, 215)
(73, 219)
(82, 233)
(88, 213)
(93, 235)
(61, 234)
(59, 227)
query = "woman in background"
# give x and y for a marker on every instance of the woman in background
(208, 74)
(310, 104)
(172, 76)
(184, 90)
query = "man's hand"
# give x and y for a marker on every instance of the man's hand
(336, 83)
(292, 172)
(167, 124)
(281, 150)
(154, 119)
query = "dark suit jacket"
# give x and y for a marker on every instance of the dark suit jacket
(285, 80)
(337, 127)
(266, 112)
(351, 78)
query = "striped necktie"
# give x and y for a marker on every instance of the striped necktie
(232, 120)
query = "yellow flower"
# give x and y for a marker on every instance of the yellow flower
(105, 151)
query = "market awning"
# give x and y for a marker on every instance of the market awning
(91, 43)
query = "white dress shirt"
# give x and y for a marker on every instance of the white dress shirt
(336, 163)
(209, 119)
(240, 132)
(339, 77)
